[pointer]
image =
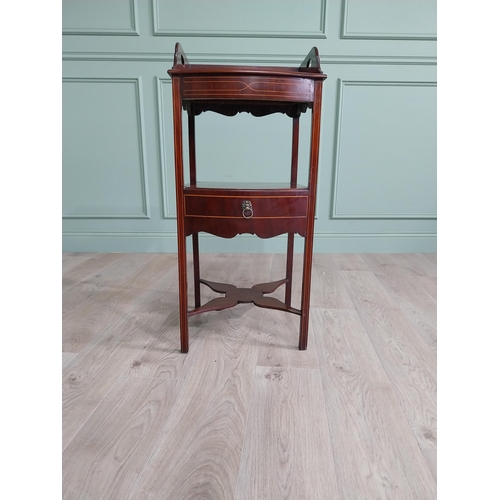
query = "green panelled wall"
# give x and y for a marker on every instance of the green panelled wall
(377, 179)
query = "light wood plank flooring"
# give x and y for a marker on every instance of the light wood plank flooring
(245, 414)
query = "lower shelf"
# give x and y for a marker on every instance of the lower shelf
(234, 296)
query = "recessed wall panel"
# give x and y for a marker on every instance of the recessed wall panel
(386, 151)
(104, 170)
(99, 17)
(258, 18)
(390, 19)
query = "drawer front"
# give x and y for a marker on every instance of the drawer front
(248, 87)
(252, 207)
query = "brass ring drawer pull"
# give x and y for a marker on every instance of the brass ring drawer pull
(247, 210)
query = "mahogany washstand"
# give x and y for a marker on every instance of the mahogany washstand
(265, 211)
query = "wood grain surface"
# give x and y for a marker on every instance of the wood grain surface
(413, 299)
(70, 260)
(105, 307)
(89, 376)
(245, 414)
(67, 357)
(375, 451)
(409, 362)
(285, 453)
(87, 268)
(109, 453)
(278, 343)
(98, 286)
(198, 454)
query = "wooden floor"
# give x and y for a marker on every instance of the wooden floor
(245, 414)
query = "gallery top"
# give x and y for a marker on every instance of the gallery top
(261, 90)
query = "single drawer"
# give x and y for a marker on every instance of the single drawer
(248, 87)
(246, 207)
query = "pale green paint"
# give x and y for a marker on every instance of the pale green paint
(240, 18)
(378, 122)
(386, 156)
(265, 153)
(116, 241)
(386, 19)
(102, 132)
(97, 17)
